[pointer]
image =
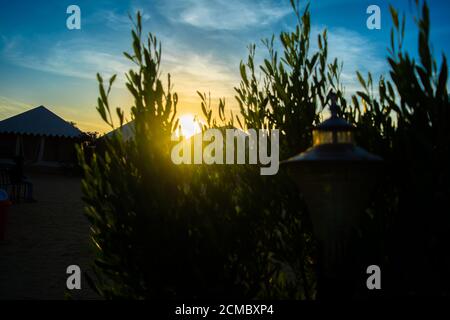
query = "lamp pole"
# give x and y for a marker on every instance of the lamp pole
(335, 177)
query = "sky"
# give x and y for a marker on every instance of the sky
(42, 62)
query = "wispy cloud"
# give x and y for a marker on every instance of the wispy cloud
(73, 58)
(114, 19)
(194, 71)
(10, 107)
(357, 53)
(204, 58)
(201, 72)
(225, 14)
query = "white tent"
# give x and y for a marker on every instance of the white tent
(39, 136)
(127, 131)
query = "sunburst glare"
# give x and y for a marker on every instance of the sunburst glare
(189, 125)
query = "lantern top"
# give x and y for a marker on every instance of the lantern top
(334, 123)
(333, 141)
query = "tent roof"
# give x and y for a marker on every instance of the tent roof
(39, 121)
(126, 129)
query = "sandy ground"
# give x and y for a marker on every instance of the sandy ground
(42, 239)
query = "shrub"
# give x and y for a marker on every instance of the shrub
(167, 231)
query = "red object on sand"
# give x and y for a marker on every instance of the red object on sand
(4, 206)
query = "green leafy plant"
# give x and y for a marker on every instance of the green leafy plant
(408, 124)
(216, 231)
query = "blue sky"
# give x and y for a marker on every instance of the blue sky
(44, 63)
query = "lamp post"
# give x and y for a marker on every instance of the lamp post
(335, 177)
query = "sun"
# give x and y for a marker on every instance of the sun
(189, 125)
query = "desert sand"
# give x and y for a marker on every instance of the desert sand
(42, 239)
